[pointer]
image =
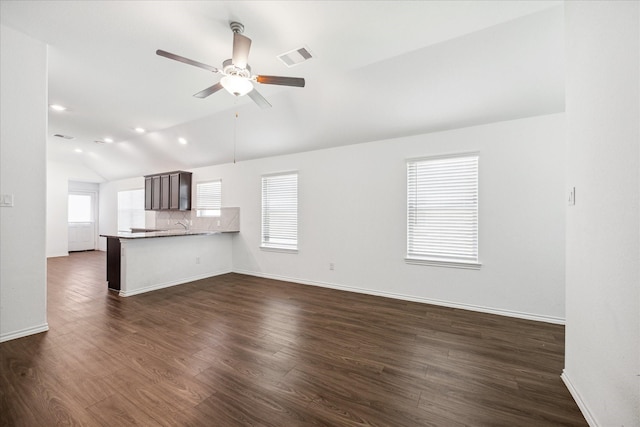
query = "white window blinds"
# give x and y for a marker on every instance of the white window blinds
(280, 211)
(208, 198)
(442, 209)
(131, 209)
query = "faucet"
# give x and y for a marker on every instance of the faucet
(186, 227)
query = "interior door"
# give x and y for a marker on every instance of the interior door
(82, 225)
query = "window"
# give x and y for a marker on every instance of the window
(80, 209)
(442, 211)
(280, 211)
(131, 209)
(208, 198)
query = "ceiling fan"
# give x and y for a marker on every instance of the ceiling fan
(236, 72)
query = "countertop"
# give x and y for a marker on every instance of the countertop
(160, 233)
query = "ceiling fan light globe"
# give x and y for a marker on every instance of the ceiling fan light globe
(236, 85)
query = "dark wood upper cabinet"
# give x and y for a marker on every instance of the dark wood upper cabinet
(148, 191)
(164, 192)
(168, 191)
(155, 193)
(185, 192)
(174, 179)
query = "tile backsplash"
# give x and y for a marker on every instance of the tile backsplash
(229, 220)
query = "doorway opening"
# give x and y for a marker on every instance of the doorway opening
(82, 214)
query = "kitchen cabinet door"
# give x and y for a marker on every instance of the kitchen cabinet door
(148, 189)
(164, 192)
(155, 192)
(185, 191)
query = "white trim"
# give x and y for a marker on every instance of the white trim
(279, 249)
(443, 156)
(58, 254)
(470, 307)
(124, 293)
(24, 332)
(578, 398)
(285, 172)
(450, 264)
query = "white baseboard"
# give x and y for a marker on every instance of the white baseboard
(578, 398)
(57, 254)
(470, 307)
(171, 283)
(24, 332)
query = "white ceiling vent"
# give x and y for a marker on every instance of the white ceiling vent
(63, 136)
(296, 56)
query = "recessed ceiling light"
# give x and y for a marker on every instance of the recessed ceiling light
(108, 140)
(182, 141)
(140, 130)
(77, 150)
(57, 107)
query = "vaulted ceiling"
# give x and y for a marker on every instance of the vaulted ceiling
(380, 69)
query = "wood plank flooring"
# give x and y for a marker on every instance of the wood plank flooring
(236, 350)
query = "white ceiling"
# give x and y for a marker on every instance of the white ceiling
(381, 69)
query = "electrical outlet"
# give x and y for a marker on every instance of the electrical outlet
(6, 200)
(332, 266)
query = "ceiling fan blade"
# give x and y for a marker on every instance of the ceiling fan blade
(284, 81)
(186, 60)
(241, 46)
(259, 99)
(208, 91)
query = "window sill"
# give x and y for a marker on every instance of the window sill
(442, 263)
(282, 250)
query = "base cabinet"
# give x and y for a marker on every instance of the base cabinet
(113, 263)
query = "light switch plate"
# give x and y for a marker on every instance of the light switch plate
(6, 200)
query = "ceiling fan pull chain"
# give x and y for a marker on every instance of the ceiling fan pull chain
(235, 136)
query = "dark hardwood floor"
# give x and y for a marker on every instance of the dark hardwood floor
(238, 350)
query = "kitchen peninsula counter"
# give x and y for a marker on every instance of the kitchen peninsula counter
(160, 233)
(146, 261)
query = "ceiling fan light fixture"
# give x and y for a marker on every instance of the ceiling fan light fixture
(236, 85)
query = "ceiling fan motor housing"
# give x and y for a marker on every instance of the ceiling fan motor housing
(229, 69)
(236, 27)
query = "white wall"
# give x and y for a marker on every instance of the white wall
(151, 264)
(602, 362)
(23, 124)
(352, 212)
(57, 216)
